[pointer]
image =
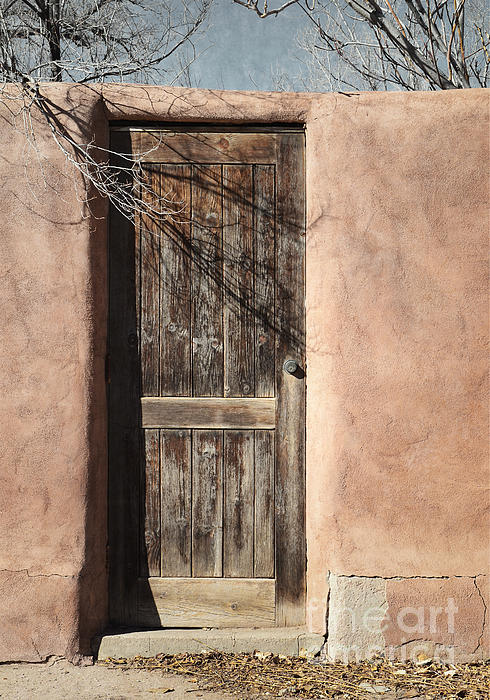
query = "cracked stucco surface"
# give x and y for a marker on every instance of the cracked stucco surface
(32, 575)
(442, 616)
(39, 616)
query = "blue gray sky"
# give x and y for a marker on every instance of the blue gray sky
(243, 52)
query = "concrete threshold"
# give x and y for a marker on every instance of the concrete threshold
(290, 641)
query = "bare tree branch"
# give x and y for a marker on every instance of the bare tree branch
(94, 40)
(86, 41)
(387, 44)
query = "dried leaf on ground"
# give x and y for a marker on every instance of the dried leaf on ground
(262, 675)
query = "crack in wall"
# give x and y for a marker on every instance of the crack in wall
(404, 578)
(358, 598)
(327, 612)
(484, 614)
(29, 575)
(36, 649)
(410, 641)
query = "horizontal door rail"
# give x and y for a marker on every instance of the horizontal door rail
(223, 147)
(206, 602)
(209, 412)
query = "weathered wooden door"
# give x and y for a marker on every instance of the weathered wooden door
(206, 422)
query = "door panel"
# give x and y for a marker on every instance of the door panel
(207, 281)
(207, 503)
(264, 504)
(176, 505)
(175, 287)
(205, 424)
(238, 503)
(207, 602)
(264, 280)
(238, 244)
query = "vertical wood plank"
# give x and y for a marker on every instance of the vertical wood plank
(175, 292)
(264, 504)
(150, 289)
(290, 431)
(124, 409)
(150, 553)
(207, 281)
(175, 446)
(238, 264)
(149, 340)
(264, 234)
(207, 503)
(238, 511)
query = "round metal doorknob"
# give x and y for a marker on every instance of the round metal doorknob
(290, 366)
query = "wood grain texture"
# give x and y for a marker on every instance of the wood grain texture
(176, 514)
(238, 508)
(207, 503)
(205, 308)
(149, 339)
(175, 283)
(205, 602)
(264, 504)
(225, 147)
(186, 412)
(290, 430)
(150, 492)
(264, 272)
(238, 263)
(207, 282)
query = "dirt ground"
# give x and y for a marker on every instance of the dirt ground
(59, 680)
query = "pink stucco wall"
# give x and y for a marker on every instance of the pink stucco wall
(398, 328)
(397, 421)
(52, 413)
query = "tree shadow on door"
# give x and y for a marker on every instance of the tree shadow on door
(216, 240)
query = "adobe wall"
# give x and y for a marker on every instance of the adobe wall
(52, 413)
(397, 422)
(397, 374)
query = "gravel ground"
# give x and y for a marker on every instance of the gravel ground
(60, 680)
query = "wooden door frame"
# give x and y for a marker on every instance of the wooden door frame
(290, 505)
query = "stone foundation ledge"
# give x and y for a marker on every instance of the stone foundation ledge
(290, 641)
(408, 619)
